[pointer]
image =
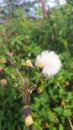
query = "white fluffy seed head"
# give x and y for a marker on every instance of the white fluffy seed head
(51, 64)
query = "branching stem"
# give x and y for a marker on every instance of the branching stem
(25, 85)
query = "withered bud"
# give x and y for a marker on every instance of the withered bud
(3, 82)
(27, 111)
(9, 54)
(8, 63)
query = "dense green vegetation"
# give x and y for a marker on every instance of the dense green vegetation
(52, 100)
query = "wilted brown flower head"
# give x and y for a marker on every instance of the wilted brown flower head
(3, 82)
(9, 54)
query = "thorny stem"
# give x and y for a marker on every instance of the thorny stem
(71, 125)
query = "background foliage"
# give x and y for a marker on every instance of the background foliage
(52, 100)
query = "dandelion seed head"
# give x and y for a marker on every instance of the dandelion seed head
(50, 62)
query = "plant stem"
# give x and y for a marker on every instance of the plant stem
(25, 87)
(17, 89)
(36, 84)
(21, 77)
(71, 125)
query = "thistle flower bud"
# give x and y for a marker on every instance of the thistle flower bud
(29, 63)
(40, 65)
(3, 60)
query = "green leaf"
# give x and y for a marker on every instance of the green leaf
(61, 127)
(67, 112)
(59, 110)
